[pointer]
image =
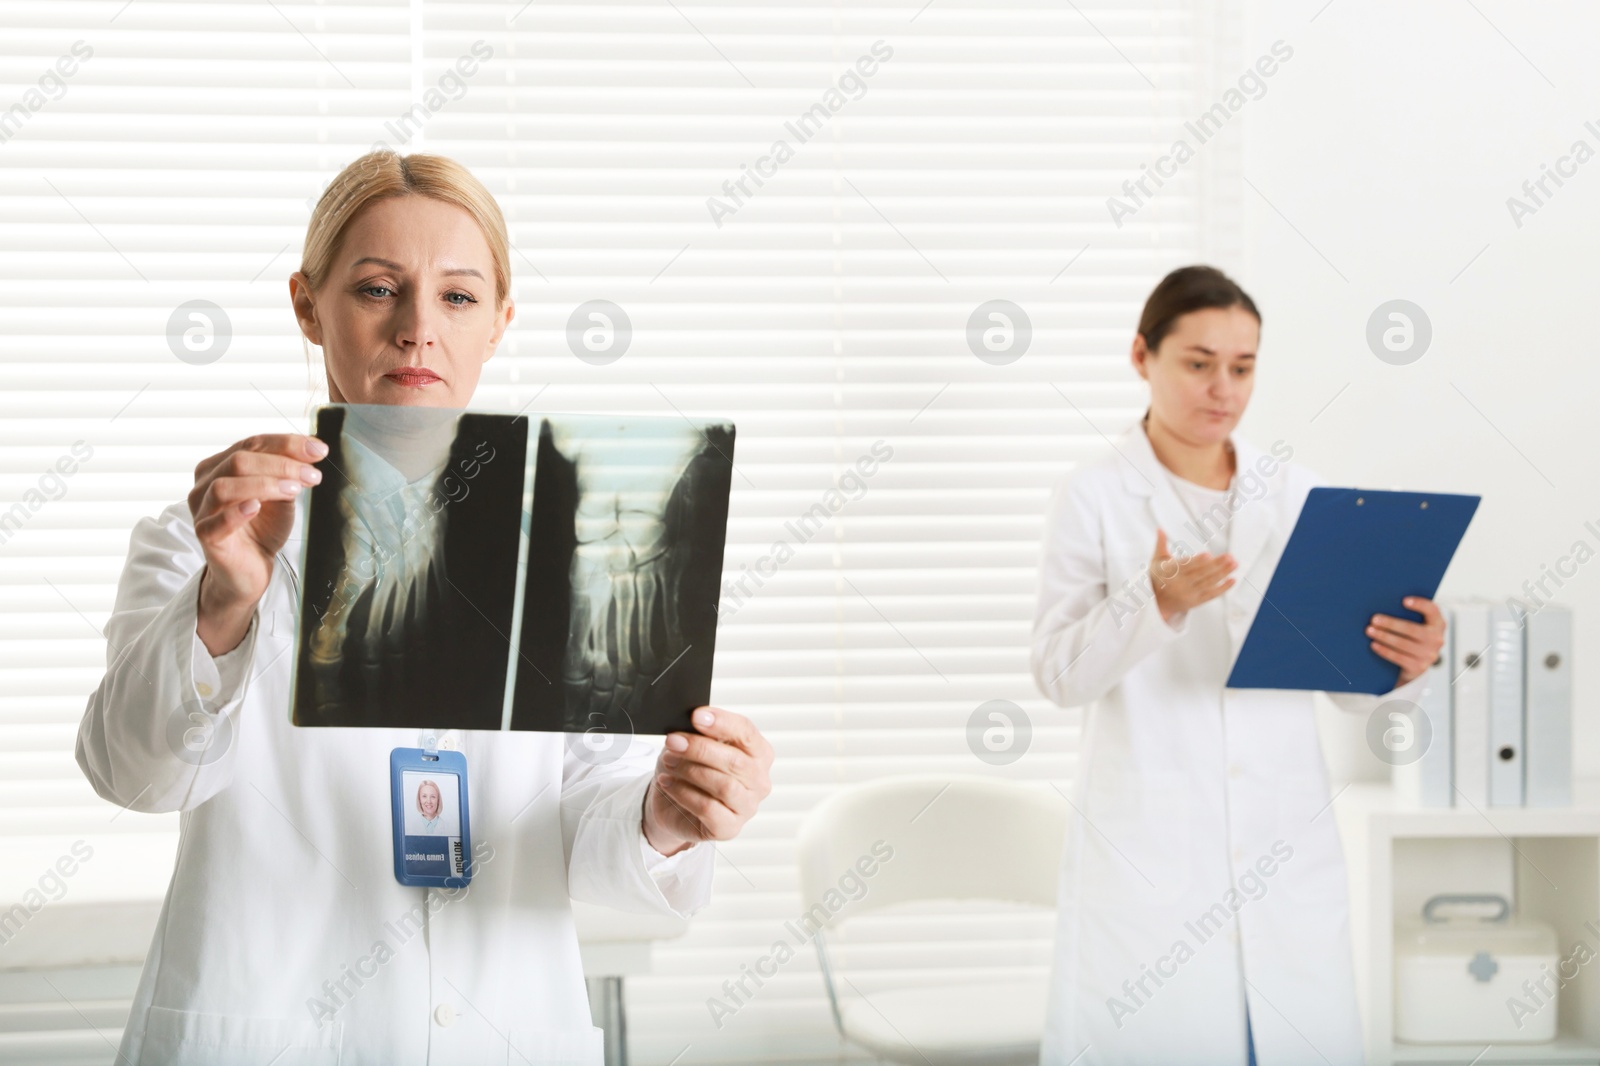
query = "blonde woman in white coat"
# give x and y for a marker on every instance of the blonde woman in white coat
(1203, 906)
(285, 937)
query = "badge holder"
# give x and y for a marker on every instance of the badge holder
(428, 800)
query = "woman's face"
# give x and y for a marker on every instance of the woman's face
(428, 799)
(407, 312)
(1201, 375)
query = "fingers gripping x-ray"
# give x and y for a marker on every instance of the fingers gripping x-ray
(624, 628)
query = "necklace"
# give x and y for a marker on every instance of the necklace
(1221, 523)
(1195, 525)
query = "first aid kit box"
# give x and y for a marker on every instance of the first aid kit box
(1461, 980)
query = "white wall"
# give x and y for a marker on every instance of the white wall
(1391, 141)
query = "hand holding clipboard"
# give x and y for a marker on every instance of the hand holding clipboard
(1353, 554)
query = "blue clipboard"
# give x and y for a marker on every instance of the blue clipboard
(1353, 553)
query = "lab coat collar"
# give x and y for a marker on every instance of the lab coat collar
(1143, 475)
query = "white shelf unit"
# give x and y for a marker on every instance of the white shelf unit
(1546, 859)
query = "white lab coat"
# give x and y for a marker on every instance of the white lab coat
(285, 936)
(1185, 787)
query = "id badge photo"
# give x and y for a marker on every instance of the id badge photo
(428, 794)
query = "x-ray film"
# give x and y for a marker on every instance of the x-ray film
(481, 571)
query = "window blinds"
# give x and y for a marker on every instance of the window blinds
(876, 237)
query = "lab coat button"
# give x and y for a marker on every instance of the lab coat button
(1235, 770)
(202, 688)
(445, 1015)
(1238, 854)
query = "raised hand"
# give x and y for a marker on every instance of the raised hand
(243, 508)
(1181, 583)
(708, 784)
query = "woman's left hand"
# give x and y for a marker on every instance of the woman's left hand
(707, 784)
(1414, 645)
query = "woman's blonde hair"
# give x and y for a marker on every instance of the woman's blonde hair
(383, 175)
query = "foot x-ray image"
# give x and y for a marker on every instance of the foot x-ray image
(459, 575)
(624, 572)
(412, 539)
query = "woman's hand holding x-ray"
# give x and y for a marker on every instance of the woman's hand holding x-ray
(243, 508)
(1181, 583)
(707, 784)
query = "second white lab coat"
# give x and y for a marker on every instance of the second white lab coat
(284, 936)
(1202, 869)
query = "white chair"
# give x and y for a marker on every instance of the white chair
(954, 838)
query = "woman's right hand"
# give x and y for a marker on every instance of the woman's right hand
(1183, 583)
(243, 508)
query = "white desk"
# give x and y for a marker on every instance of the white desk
(615, 946)
(103, 944)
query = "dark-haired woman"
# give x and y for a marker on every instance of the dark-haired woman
(1203, 909)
